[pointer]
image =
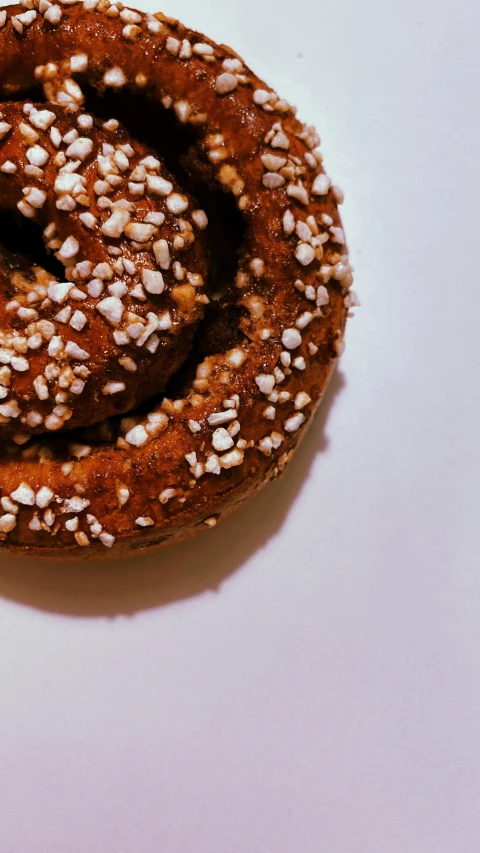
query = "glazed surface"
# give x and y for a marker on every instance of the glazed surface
(83, 470)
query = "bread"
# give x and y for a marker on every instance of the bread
(169, 368)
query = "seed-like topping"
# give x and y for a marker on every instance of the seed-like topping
(280, 140)
(158, 185)
(232, 459)
(8, 523)
(35, 197)
(136, 189)
(172, 45)
(138, 436)
(123, 495)
(162, 254)
(218, 418)
(76, 504)
(291, 338)
(266, 445)
(139, 232)
(4, 129)
(150, 163)
(273, 181)
(128, 16)
(145, 521)
(153, 281)
(298, 192)
(261, 97)
(88, 219)
(121, 160)
(305, 254)
(202, 49)
(155, 218)
(114, 78)
(185, 50)
(303, 231)
(112, 309)
(53, 15)
(200, 219)
(8, 167)
(103, 271)
(183, 111)
(321, 185)
(107, 539)
(221, 440)
(37, 155)
(273, 163)
(78, 321)
(288, 223)
(257, 266)
(338, 195)
(20, 364)
(58, 291)
(68, 249)
(85, 122)
(337, 234)
(131, 31)
(299, 363)
(24, 495)
(266, 383)
(118, 288)
(78, 63)
(8, 505)
(177, 203)
(301, 400)
(233, 64)
(212, 465)
(323, 297)
(10, 410)
(80, 149)
(44, 497)
(26, 209)
(115, 225)
(304, 320)
(41, 388)
(226, 83)
(23, 20)
(294, 423)
(113, 388)
(30, 136)
(72, 349)
(236, 357)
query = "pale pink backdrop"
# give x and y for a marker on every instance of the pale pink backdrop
(306, 678)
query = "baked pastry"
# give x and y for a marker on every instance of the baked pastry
(160, 365)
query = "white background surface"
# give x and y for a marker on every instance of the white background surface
(305, 678)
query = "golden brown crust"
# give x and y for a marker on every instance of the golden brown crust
(70, 325)
(159, 476)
